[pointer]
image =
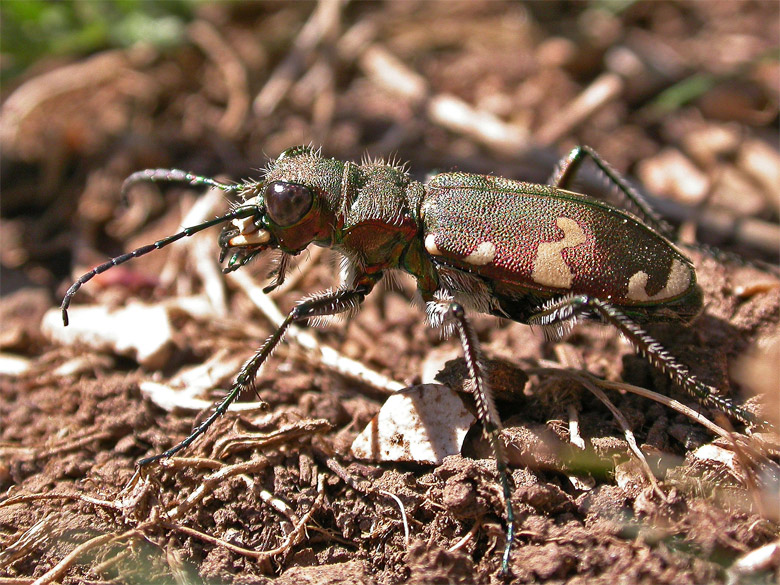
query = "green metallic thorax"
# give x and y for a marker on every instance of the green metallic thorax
(369, 213)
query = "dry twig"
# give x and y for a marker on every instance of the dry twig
(403, 514)
(208, 38)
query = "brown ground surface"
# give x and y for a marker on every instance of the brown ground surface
(72, 434)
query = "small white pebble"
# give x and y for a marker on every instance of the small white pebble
(423, 424)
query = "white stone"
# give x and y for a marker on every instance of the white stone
(423, 424)
(142, 332)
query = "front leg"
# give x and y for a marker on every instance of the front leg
(321, 305)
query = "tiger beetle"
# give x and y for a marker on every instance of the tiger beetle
(536, 254)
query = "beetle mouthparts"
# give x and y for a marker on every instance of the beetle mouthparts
(253, 239)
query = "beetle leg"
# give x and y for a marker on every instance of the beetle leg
(567, 168)
(279, 273)
(560, 311)
(238, 260)
(437, 312)
(329, 303)
(487, 414)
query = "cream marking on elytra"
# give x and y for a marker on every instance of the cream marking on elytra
(483, 254)
(678, 282)
(430, 245)
(550, 269)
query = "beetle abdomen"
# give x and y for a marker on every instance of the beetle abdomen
(539, 238)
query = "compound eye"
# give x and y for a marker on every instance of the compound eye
(287, 203)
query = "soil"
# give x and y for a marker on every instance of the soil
(76, 418)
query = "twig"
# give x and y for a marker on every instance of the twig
(95, 71)
(574, 428)
(169, 398)
(446, 110)
(222, 55)
(644, 392)
(211, 481)
(749, 463)
(190, 463)
(317, 87)
(253, 554)
(177, 566)
(627, 432)
(101, 568)
(292, 539)
(322, 22)
(337, 468)
(761, 559)
(277, 504)
(605, 88)
(59, 569)
(54, 496)
(297, 534)
(230, 445)
(329, 534)
(32, 538)
(392, 74)
(212, 201)
(91, 437)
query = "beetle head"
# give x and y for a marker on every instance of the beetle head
(292, 207)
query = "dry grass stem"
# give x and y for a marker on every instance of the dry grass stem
(403, 514)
